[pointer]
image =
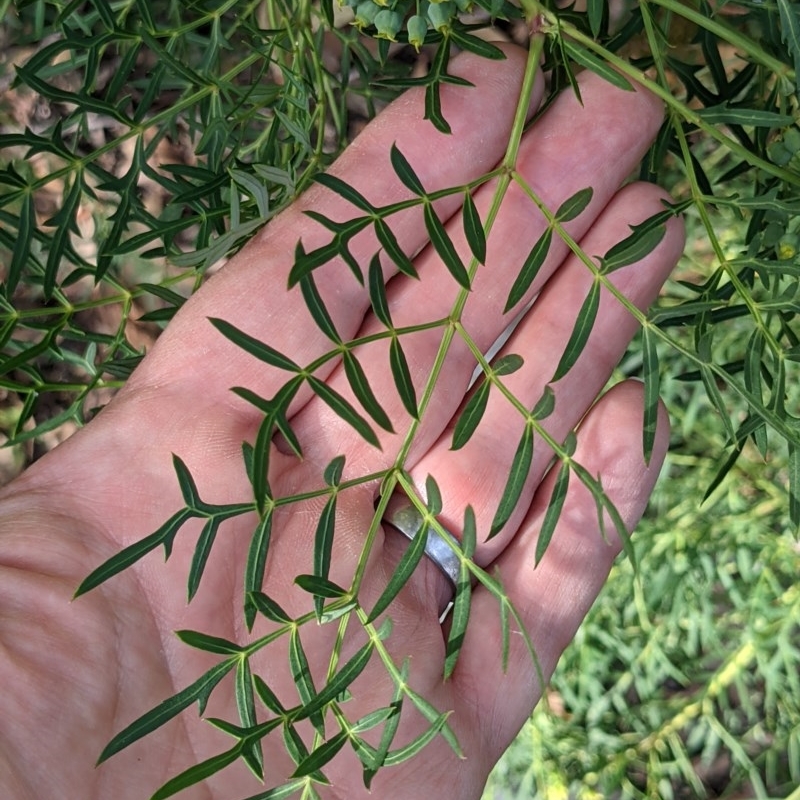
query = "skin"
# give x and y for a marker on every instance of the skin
(82, 670)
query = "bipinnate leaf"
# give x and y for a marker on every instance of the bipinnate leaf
(473, 228)
(530, 269)
(471, 415)
(580, 332)
(553, 512)
(198, 692)
(444, 246)
(574, 205)
(261, 350)
(518, 474)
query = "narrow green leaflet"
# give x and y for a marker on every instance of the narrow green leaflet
(459, 617)
(246, 706)
(553, 512)
(589, 60)
(471, 416)
(635, 247)
(317, 309)
(580, 332)
(794, 484)
(201, 553)
(473, 228)
(339, 683)
(481, 47)
(165, 536)
(320, 587)
(323, 545)
(433, 496)
(518, 474)
(444, 246)
(405, 172)
(269, 608)
(268, 697)
(256, 564)
(432, 714)
(406, 566)
(343, 409)
(65, 224)
(211, 644)
(359, 383)
(198, 692)
(402, 377)
(595, 10)
(573, 206)
(725, 114)
(789, 13)
(199, 772)
(280, 792)
(392, 247)
(345, 190)
(652, 390)
(262, 351)
(301, 673)
(507, 364)
(545, 405)
(377, 292)
(321, 756)
(416, 745)
(530, 269)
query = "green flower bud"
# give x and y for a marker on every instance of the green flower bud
(791, 139)
(417, 27)
(441, 14)
(365, 14)
(388, 24)
(778, 153)
(787, 246)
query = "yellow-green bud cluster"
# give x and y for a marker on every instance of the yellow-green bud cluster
(385, 19)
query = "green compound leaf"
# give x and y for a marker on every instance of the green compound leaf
(402, 377)
(198, 692)
(471, 416)
(343, 409)
(553, 510)
(444, 246)
(652, 391)
(263, 352)
(589, 60)
(520, 467)
(357, 379)
(580, 332)
(473, 228)
(530, 269)
(406, 566)
(573, 206)
(405, 172)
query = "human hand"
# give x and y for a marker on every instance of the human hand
(79, 672)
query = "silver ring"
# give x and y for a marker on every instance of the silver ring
(443, 550)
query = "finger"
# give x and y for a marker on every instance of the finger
(553, 597)
(567, 150)
(251, 291)
(477, 473)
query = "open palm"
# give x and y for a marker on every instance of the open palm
(75, 673)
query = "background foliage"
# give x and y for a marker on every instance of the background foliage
(141, 142)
